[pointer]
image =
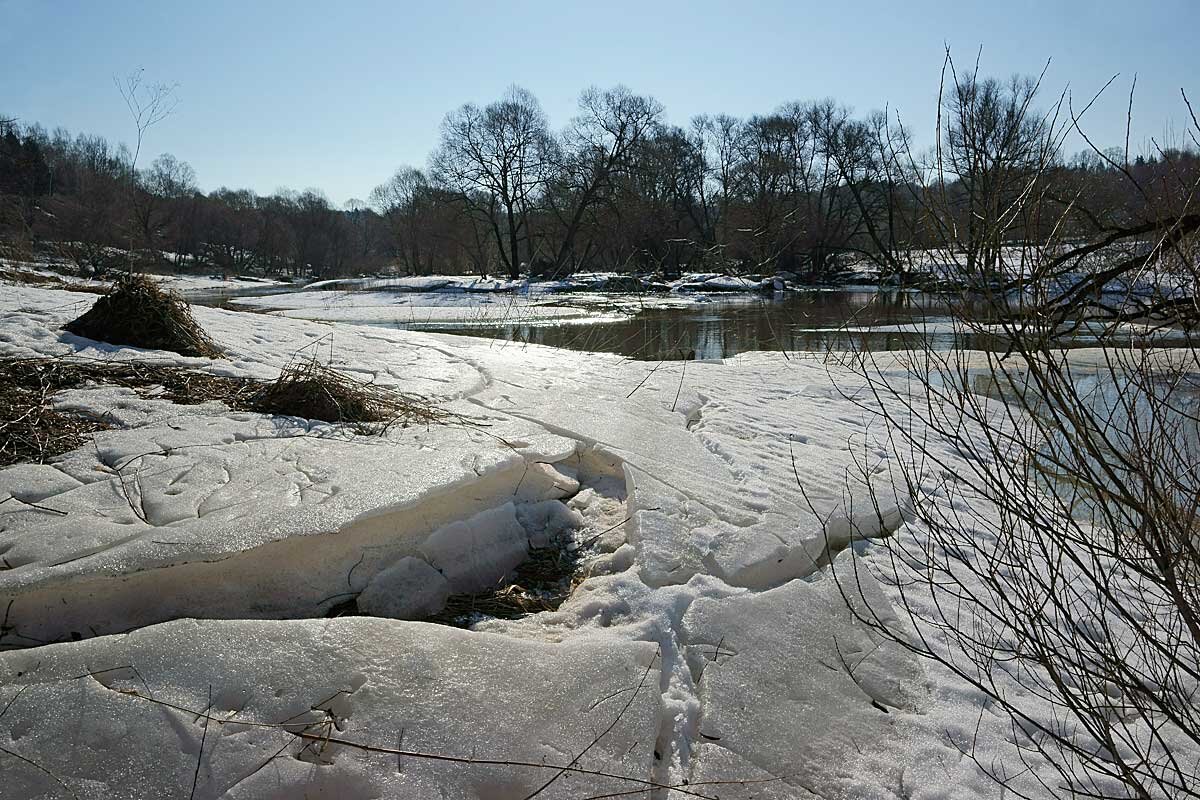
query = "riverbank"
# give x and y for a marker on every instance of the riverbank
(243, 594)
(703, 632)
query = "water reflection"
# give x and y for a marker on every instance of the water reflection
(670, 328)
(723, 328)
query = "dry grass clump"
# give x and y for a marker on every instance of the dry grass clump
(31, 431)
(543, 582)
(179, 385)
(312, 390)
(137, 311)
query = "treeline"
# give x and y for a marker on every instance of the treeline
(81, 199)
(806, 189)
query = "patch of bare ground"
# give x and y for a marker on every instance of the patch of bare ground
(543, 582)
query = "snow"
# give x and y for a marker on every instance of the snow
(250, 518)
(408, 589)
(716, 599)
(721, 283)
(774, 663)
(200, 283)
(475, 553)
(411, 310)
(431, 309)
(431, 301)
(216, 705)
(254, 346)
(419, 283)
(220, 497)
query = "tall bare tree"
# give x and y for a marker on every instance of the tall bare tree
(596, 146)
(148, 105)
(494, 158)
(402, 201)
(992, 148)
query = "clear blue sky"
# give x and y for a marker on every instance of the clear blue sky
(336, 95)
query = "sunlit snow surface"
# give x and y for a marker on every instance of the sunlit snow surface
(710, 649)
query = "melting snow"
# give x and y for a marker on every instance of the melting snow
(708, 643)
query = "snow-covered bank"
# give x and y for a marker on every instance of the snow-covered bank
(710, 606)
(207, 283)
(579, 282)
(440, 301)
(186, 283)
(412, 308)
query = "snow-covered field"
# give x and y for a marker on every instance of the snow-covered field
(165, 589)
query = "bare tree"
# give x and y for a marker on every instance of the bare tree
(494, 158)
(167, 180)
(866, 155)
(595, 147)
(401, 202)
(1051, 554)
(990, 150)
(830, 219)
(720, 137)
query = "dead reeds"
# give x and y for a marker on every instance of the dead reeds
(542, 582)
(32, 431)
(137, 311)
(311, 390)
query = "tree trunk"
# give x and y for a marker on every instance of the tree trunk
(514, 264)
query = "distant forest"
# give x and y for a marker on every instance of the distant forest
(806, 189)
